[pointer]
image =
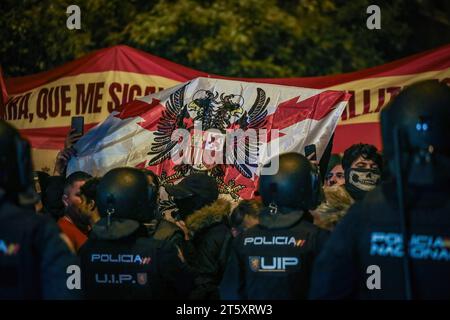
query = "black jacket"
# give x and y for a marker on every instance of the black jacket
(122, 262)
(273, 260)
(370, 234)
(208, 249)
(33, 257)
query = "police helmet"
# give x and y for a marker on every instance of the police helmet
(125, 193)
(296, 185)
(419, 120)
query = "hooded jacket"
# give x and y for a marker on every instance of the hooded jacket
(120, 261)
(273, 260)
(207, 251)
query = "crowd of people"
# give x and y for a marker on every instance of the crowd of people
(301, 237)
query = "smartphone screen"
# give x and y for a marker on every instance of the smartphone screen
(78, 124)
(311, 152)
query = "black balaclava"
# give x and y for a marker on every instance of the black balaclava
(187, 206)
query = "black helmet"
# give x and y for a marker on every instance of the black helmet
(419, 119)
(296, 185)
(125, 193)
(16, 175)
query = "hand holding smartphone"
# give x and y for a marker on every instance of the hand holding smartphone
(311, 152)
(76, 131)
(78, 125)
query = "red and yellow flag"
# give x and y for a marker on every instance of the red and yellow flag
(41, 105)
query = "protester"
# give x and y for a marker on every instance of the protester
(335, 172)
(162, 228)
(362, 169)
(73, 224)
(33, 258)
(245, 216)
(203, 218)
(273, 260)
(120, 260)
(332, 210)
(414, 205)
(88, 207)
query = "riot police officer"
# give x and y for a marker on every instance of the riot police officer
(33, 257)
(365, 256)
(273, 260)
(120, 260)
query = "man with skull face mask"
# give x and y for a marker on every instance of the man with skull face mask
(362, 169)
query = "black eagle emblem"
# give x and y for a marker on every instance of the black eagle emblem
(221, 112)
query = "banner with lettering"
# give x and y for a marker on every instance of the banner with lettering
(42, 105)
